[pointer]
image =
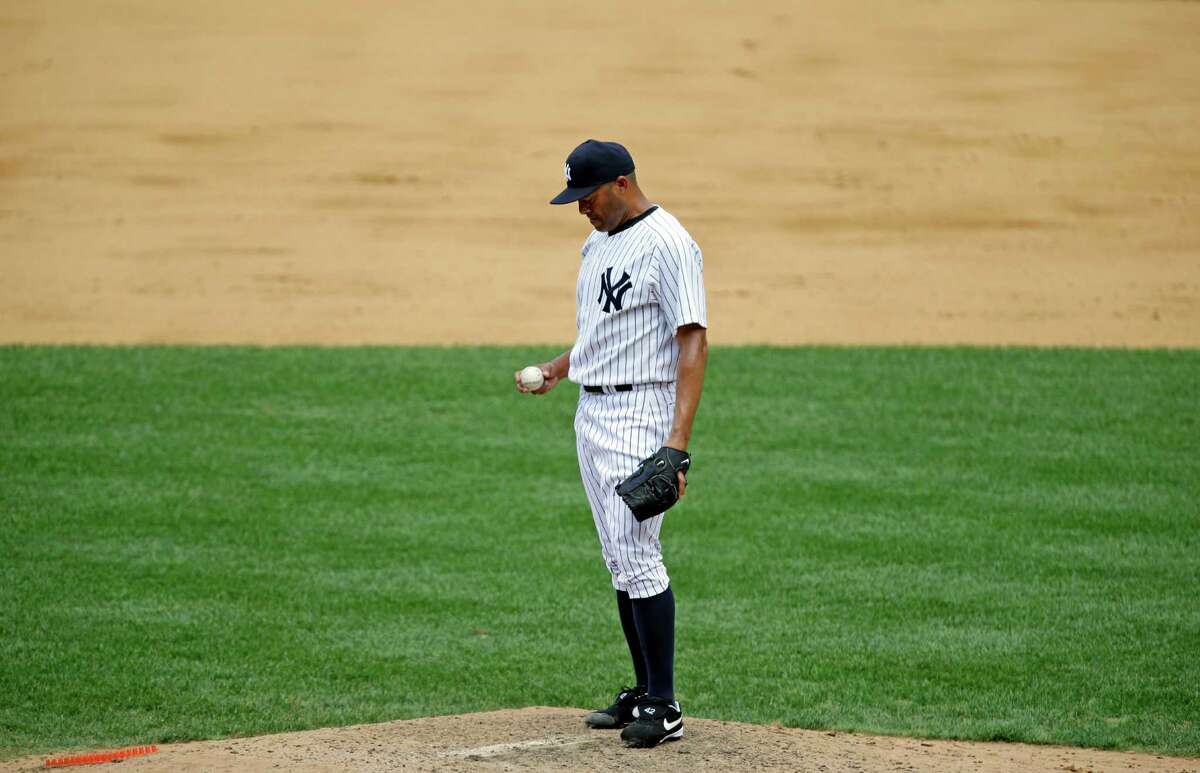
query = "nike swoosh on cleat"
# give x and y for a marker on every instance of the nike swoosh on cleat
(669, 726)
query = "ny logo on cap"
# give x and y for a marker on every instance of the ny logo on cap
(612, 295)
(567, 172)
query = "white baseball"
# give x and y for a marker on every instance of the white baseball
(532, 378)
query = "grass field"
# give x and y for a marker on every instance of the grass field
(972, 543)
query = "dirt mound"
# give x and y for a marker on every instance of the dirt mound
(538, 738)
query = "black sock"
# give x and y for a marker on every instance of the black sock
(655, 620)
(625, 610)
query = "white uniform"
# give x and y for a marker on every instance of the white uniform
(637, 286)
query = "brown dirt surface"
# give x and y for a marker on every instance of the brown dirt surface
(555, 739)
(377, 172)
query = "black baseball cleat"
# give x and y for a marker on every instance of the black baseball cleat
(620, 713)
(654, 720)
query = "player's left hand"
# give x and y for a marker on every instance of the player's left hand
(648, 490)
(679, 442)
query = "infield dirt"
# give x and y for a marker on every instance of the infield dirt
(374, 172)
(378, 172)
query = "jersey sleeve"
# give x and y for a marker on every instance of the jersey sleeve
(583, 253)
(587, 245)
(681, 281)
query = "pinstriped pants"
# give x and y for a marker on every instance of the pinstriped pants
(613, 432)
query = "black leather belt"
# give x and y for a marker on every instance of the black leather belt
(618, 388)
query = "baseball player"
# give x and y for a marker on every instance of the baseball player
(639, 359)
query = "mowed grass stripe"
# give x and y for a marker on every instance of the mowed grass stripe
(970, 543)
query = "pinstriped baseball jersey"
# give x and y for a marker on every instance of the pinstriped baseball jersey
(637, 285)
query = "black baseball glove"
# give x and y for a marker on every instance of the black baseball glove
(654, 487)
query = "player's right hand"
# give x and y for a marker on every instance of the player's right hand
(551, 381)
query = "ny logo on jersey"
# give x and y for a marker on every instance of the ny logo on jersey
(610, 294)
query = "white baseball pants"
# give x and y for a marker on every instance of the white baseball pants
(614, 431)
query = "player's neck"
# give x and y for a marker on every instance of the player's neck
(637, 208)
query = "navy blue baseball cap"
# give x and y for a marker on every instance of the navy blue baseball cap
(591, 165)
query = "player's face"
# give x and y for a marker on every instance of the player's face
(602, 208)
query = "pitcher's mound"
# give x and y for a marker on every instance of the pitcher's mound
(540, 738)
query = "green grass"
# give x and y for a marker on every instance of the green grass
(968, 543)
